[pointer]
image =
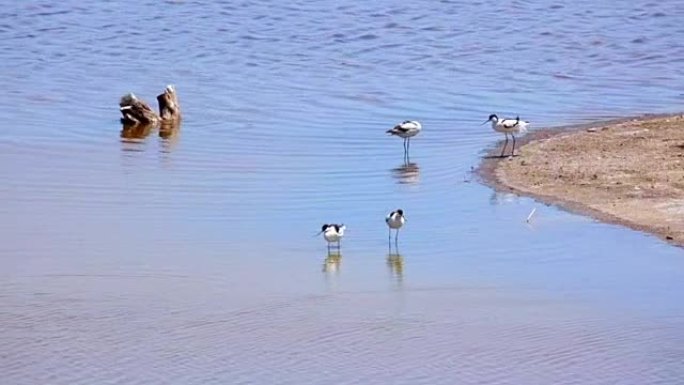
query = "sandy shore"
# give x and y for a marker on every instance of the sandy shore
(629, 172)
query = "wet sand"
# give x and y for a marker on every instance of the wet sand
(628, 171)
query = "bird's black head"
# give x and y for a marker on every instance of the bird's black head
(324, 227)
(400, 212)
(493, 117)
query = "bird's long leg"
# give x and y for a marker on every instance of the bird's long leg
(505, 144)
(408, 151)
(513, 152)
(396, 238)
(328, 248)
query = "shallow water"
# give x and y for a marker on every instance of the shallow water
(191, 259)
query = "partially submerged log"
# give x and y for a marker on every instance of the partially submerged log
(136, 111)
(169, 109)
(139, 119)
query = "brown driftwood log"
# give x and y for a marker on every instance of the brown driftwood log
(169, 109)
(136, 111)
(139, 119)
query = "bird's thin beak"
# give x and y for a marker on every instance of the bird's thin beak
(317, 234)
(485, 122)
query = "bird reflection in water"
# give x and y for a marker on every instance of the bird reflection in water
(407, 173)
(331, 264)
(502, 198)
(395, 264)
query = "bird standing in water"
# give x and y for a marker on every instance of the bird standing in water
(406, 129)
(395, 220)
(332, 233)
(508, 126)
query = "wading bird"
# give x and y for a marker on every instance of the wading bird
(508, 126)
(406, 130)
(395, 220)
(332, 233)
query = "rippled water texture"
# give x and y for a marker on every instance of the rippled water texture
(190, 258)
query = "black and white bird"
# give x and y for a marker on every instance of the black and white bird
(395, 220)
(508, 126)
(332, 233)
(406, 129)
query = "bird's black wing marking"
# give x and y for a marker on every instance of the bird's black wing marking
(512, 125)
(402, 129)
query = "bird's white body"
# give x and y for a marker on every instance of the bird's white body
(509, 126)
(395, 220)
(406, 129)
(333, 233)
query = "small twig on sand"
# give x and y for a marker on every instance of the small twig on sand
(529, 217)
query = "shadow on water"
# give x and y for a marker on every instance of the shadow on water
(407, 173)
(499, 156)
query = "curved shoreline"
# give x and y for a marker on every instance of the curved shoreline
(624, 171)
